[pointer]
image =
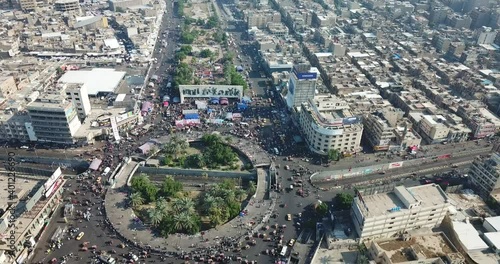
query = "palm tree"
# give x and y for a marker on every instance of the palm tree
(240, 194)
(161, 205)
(155, 216)
(216, 216)
(207, 202)
(184, 204)
(136, 199)
(251, 188)
(175, 146)
(185, 222)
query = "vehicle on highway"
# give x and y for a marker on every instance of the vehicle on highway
(79, 237)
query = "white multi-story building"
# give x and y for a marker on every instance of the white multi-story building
(302, 85)
(484, 174)
(54, 119)
(385, 214)
(79, 95)
(327, 123)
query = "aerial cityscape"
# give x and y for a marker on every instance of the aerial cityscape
(250, 131)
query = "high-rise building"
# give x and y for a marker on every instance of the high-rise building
(67, 5)
(54, 119)
(78, 93)
(302, 85)
(383, 215)
(484, 174)
(486, 36)
(328, 124)
(33, 5)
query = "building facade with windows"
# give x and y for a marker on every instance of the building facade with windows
(302, 85)
(327, 124)
(54, 119)
(383, 215)
(484, 174)
(35, 202)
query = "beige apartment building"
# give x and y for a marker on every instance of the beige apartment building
(383, 215)
(67, 5)
(327, 123)
(7, 86)
(260, 18)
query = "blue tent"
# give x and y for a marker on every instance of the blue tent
(192, 116)
(246, 100)
(242, 106)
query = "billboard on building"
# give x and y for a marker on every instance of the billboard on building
(395, 165)
(291, 87)
(207, 91)
(307, 76)
(351, 120)
(52, 179)
(33, 200)
(52, 188)
(124, 116)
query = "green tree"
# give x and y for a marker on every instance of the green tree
(150, 193)
(228, 184)
(218, 154)
(252, 188)
(240, 194)
(187, 36)
(175, 146)
(321, 208)
(343, 201)
(155, 216)
(333, 154)
(119, 9)
(170, 187)
(186, 223)
(212, 22)
(216, 216)
(143, 185)
(187, 49)
(207, 202)
(205, 53)
(180, 56)
(161, 205)
(184, 204)
(136, 199)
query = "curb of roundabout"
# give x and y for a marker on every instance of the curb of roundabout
(142, 245)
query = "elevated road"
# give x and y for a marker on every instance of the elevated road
(405, 172)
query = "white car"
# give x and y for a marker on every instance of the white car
(24, 147)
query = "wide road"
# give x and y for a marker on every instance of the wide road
(415, 171)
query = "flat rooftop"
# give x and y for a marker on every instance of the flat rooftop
(97, 80)
(382, 203)
(22, 187)
(424, 246)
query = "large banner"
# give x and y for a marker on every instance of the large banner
(396, 165)
(207, 91)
